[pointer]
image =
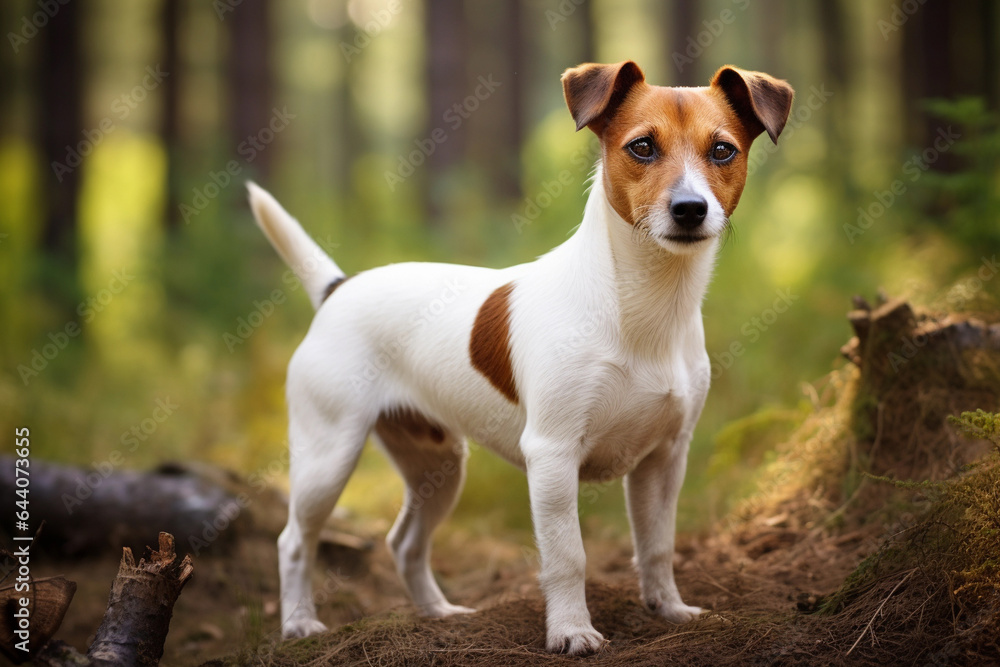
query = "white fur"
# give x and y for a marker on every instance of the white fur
(609, 358)
(661, 225)
(307, 260)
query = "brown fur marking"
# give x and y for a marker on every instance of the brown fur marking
(489, 346)
(416, 424)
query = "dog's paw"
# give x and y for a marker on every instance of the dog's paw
(676, 612)
(581, 640)
(296, 628)
(444, 608)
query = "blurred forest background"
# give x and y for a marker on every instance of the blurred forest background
(132, 276)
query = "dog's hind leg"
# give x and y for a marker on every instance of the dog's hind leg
(324, 452)
(431, 461)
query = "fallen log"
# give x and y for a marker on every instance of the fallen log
(88, 512)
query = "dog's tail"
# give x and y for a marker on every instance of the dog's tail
(317, 271)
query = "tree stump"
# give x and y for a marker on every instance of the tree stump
(49, 599)
(139, 609)
(917, 368)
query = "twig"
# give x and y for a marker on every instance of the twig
(879, 611)
(675, 635)
(715, 582)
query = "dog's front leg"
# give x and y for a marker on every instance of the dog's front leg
(553, 483)
(651, 492)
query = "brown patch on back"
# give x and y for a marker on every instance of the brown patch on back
(489, 345)
(415, 424)
(333, 286)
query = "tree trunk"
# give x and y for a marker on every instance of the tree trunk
(251, 87)
(927, 52)
(588, 42)
(991, 54)
(447, 55)
(509, 134)
(835, 45)
(170, 18)
(61, 123)
(683, 25)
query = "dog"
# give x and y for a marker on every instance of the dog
(586, 364)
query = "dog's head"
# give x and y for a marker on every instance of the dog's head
(675, 159)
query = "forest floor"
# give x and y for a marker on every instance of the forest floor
(230, 607)
(871, 541)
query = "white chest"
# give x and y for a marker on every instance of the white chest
(642, 407)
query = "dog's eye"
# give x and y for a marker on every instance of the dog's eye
(723, 152)
(642, 149)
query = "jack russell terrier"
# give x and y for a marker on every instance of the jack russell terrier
(586, 364)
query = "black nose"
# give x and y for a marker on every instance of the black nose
(689, 211)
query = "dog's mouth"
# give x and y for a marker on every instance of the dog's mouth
(686, 239)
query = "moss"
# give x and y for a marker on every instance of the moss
(980, 425)
(952, 544)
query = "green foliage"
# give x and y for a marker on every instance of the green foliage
(967, 200)
(741, 447)
(980, 425)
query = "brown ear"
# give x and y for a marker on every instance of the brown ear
(593, 92)
(760, 100)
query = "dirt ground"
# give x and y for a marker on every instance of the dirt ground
(877, 468)
(230, 606)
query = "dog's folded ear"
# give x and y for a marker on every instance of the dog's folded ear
(593, 92)
(761, 101)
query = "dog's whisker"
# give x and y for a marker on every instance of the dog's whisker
(728, 233)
